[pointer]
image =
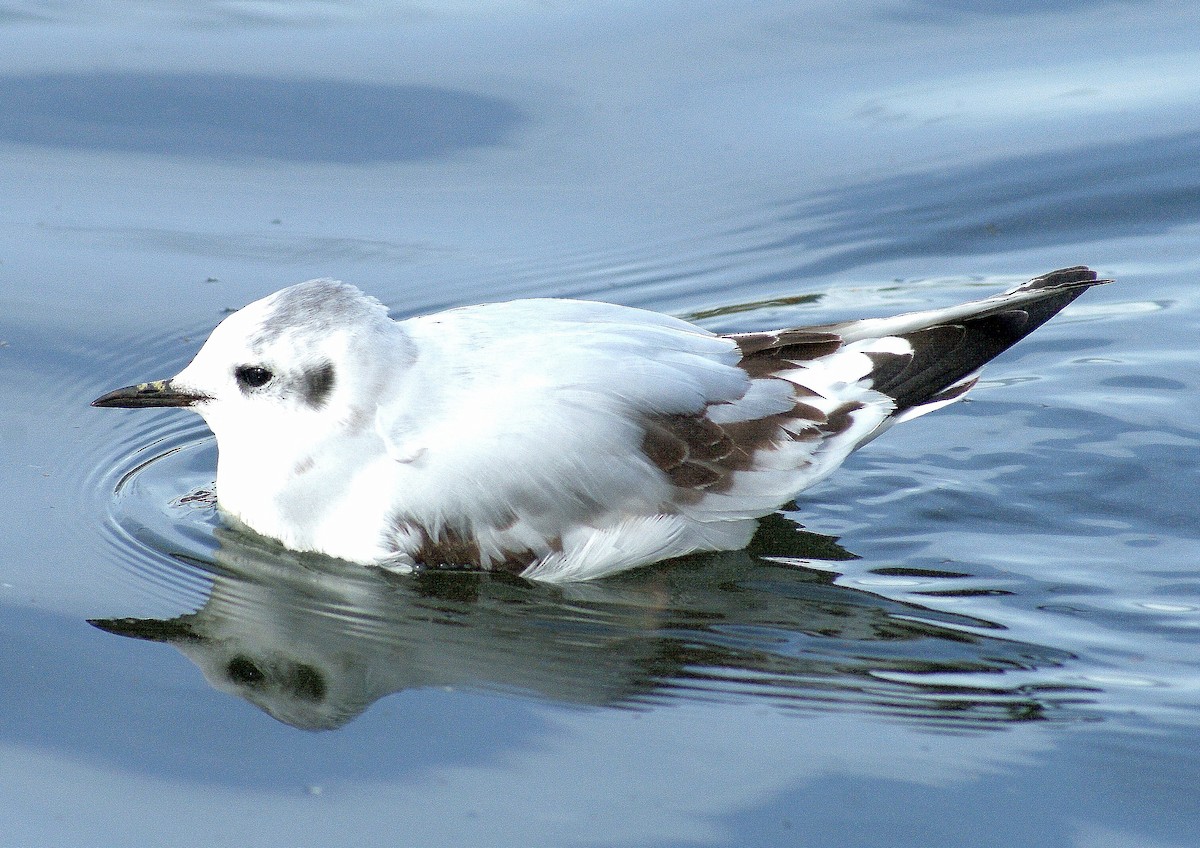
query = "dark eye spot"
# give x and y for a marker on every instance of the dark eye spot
(318, 383)
(243, 670)
(309, 684)
(251, 376)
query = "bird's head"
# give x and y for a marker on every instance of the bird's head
(290, 369)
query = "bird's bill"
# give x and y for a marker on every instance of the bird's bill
(158, 393)
(150, 629)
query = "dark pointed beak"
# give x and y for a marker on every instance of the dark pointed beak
(158, 393)
(150, 629)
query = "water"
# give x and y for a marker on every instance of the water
(981, 631)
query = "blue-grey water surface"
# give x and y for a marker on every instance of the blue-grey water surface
(982, 631)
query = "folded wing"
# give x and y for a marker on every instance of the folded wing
(614, 436)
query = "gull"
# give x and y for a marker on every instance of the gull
(557, 439)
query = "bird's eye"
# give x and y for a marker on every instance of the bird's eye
(242, 669)
(252, 376)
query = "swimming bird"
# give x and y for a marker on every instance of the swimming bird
(557, 439)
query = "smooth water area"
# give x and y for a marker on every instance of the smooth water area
(983, 630)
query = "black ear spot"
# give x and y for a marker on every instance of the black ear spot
(308, 683)
(318, 383)
(251, 377)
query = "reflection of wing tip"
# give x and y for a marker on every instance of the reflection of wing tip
(781, 538)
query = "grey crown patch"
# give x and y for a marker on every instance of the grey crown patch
(317, 306)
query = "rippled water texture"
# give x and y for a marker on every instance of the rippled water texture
(982, 631)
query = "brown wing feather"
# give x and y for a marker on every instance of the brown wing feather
(701, 456)
(765, 354)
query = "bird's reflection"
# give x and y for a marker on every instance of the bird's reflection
(314, 642)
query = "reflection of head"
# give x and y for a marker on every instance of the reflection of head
(313, 642)
(293, 682)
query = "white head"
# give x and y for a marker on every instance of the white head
(285, 373)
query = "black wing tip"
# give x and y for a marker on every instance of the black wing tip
(1077, 276)
(944, 355)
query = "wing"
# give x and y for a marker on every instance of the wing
(836, 387)
(572, 439)
(521, 430)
